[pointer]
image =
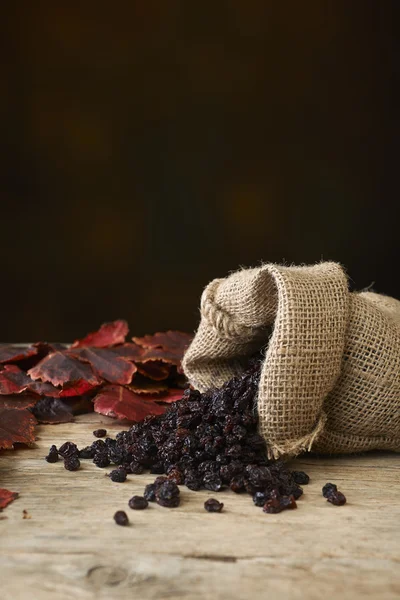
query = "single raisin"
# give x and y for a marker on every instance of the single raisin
(121, 518)
(150, 492)
(87, 452)
(328, 489)
(136, 468)
(273, 506)
(101, 460)
(260, 498)
(336, 498)
(68, 449)
(167, 494)
(212, 481)
(72, 463)
(138, 503)
(118, 475)
(52, 456)
(212, 505)
(100, 433)
(300, 477)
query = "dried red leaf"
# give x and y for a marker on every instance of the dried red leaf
(118, 401)
(18, 401)
(16, 426)
(59, 368)
(109, 334)
(172, 395)
(154, 369)
(77, 388)
(107, 364)
(52, 410)
(6, 497)
(14, 381)
(129, 352)
(175, 342)
(144, 386)
(10, 354)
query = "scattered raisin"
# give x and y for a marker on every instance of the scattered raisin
(138, 503)
(68, 449)
(328, 489)
(72, 463)
(260, 498)
(336, 498)
(167, 494)
(101, 459)
(100, 433)
(87, 452)
(136, 468)
(206, 440)
(52, 456)
(212, 505)
(300, 477)
(121, 518)
(212, 481)
(150, 492)
(118, 475)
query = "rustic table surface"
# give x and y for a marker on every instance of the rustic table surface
(70, 547)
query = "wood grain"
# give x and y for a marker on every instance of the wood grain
(71, 547)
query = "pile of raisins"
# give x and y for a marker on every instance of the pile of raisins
(204, 441)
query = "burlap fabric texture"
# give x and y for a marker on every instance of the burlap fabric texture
(330, 378)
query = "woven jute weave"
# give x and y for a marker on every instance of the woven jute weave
(330, 378)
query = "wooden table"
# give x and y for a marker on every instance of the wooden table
(70, 547)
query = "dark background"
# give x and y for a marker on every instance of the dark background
(152, 146)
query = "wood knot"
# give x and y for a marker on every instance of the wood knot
(101, 576)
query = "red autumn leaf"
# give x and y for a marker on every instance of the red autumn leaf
(16, 426)
(118, 401)
(52, 410)
(6, 497)
(18, 401)
(109, 334)
(59, 369)
(144, 386)
(173, 395)
(154, 369)
(14, 381)
(77, 388)
(106, 364)
(129, 352)
(15, 353)
(175, 342)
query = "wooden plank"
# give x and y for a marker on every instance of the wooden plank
(71, 547)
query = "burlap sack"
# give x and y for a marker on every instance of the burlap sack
(330, 378)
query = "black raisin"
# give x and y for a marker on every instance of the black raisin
(212, 481)
(101, 459)
(100, 433)
(328, 489)
(72, 463)
(121, 518)
(87, 452)
(300, 477)
(118, 475)
(138, 503)
(212, 505)
(337, 498)
(68, 449)
(167, 494)
(136, 468)
(150, 492)
(52, 456)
